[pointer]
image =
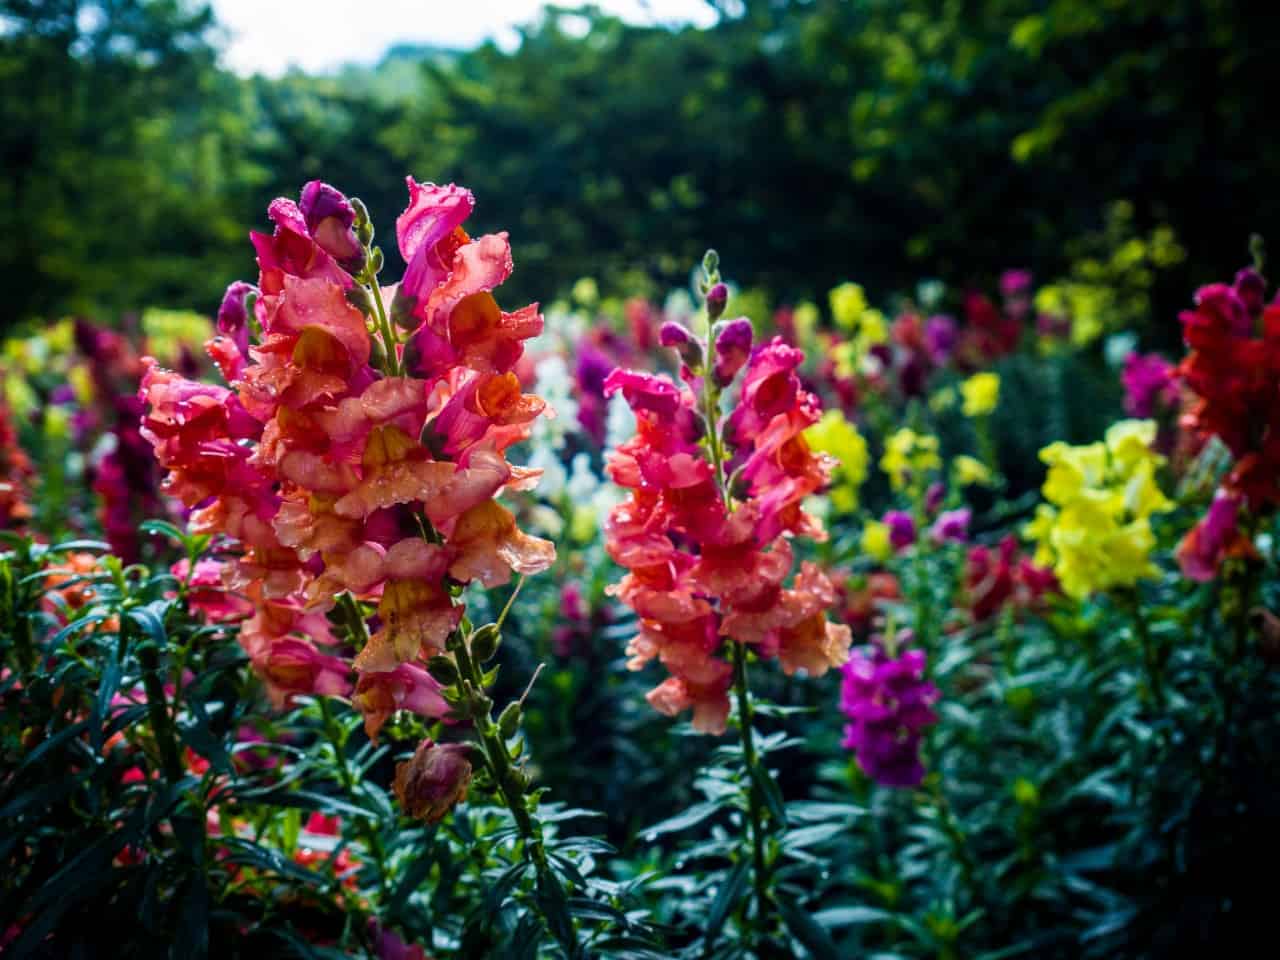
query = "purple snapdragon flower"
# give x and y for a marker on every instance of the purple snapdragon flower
(888, 703)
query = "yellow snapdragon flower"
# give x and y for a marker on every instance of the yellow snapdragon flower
(909, 454)
(875, 540)
(848, 303)
(981, 393)
(1095, 528)
(970, 471)
(835, 435)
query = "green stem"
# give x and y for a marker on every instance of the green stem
(754, 806)
(508, 780)
(367, 826)
(158, 711)
(384, 329)
(955, 835)
(1150, 655)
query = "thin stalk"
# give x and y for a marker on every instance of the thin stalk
(754, 806)
(384, 329)
(507, 778)
(369, 829)
(1150, 655)
(158, 711)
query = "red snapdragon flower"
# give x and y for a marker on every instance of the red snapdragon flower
(994, 578)
(1231, 370)
(16, 473)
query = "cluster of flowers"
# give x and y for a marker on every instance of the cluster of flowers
(714, 501)
(345, 461)
(992, 331)
(888, 703)
(1000, 577)
(1095, 531)
(16, 473)
(125, 475)
(76, 382)
(1231, 370)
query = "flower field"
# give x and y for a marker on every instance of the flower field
(394, 623)
(687, 480)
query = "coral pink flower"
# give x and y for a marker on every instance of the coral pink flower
(346, 460)
(708, 562)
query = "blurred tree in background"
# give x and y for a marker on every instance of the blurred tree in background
(810, 141)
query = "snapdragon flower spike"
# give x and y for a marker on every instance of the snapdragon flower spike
(888, 703)
(706, 539)
(1231, 368)
(994, 578)
(341, 468)
(16, 473)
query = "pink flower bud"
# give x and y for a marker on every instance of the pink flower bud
(434, 781)
(733, 346)
(329, 216)
(717, 298)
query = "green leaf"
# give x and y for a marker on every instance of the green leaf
(805, 928)
(411, 879)
(191, 938)
(726, 897)
(850, 916)
(68, 545)
(681, 821)
(771, 794)
(163, 528)
(555, 907)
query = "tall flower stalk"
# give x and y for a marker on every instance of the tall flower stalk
(354, 459)
(705, 535)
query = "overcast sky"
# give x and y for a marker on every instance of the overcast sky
(269, 36)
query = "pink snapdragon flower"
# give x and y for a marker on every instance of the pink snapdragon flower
(344, 459)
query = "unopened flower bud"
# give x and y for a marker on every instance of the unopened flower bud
(934, 496)
(1252, 289)
(509, 720)
(375, 261)
(233, 314)
(717, 298)
(359, 298)
(711, 266)
(363, 223)
(677, 336)
(377, 353)
(485, 642)
(733, 346)
(434, 781)
(402, 310)
(443, 669)
(329, 216)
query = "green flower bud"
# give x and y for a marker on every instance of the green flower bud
(509, 721)
(363, 224)
(443, 669)
(485, 642)
(359, 298)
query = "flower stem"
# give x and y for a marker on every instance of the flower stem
(384, 328)
(510, 785)
(754, 806)
(158, 711)
(1150, 655)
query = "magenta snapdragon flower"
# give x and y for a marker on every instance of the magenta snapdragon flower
(888, 703)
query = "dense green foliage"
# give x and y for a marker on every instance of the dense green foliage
(818, 140)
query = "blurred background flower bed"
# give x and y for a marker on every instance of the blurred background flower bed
(476, 565)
